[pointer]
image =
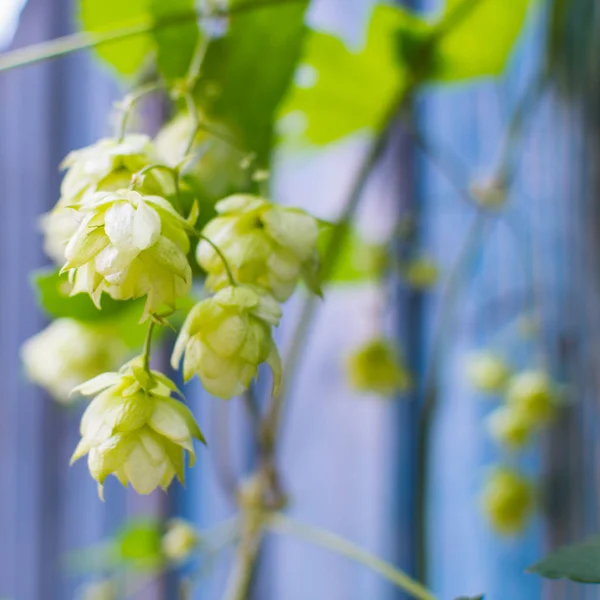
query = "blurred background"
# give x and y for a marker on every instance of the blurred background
(348, 460)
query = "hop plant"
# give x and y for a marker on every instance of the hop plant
(226, 337)
(377, 367)
(135, 430)
(264, 244)
(67, 353)
(130, 245)
(533, 393)
(216, 170)
(179, 540)
(508, 500)
(511, 427)
(107, 165)
(487, 372)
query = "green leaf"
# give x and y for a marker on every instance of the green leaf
(176, 45)
(53, 296)
(247, 72)
(579, 562)
(128, 55)
(479, 40)
(123, 316)
(338, 91)
(138, 544)
(358, 260)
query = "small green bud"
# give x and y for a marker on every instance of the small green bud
(68, 353)
(180, 540)
(377, 367)
(508, 500)
(487, 372)
(134, 430)
(421, 273)
(511, 427)
(130, 246)
(265, 245)
(490, 194)
(99, 590)
(533, 393)
(226, 337)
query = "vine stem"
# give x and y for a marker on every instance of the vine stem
(326, 539)
(429, 404)
(332, 252)
(130, 101)
(148, 346)
(223, 258)
(240, 578)
(81, 41)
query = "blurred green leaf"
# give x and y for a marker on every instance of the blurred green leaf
(175, 45)
(128, 55)
(338, 91)
(53, 297)
(358, 260)
(138, 543)
(479, 40)
(579, 562)
(246, 73)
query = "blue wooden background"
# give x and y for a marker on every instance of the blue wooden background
(348, 461)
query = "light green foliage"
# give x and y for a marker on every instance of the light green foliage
(173, 45)
(578, 562)
(246, 73)
(338, 90)
(53, 294)
(480, 41)
(126, 56)
(358, 260)
(138, 544)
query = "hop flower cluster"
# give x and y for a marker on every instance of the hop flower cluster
(106, 166)
(130, 246)
(226, 337)
(254, 254)
(114, 230)
(265, 245)
(530, 401)
(135, 430)
(67, 353)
